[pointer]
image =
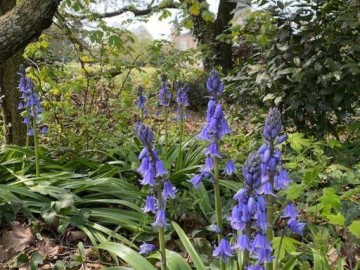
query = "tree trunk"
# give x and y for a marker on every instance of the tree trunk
(223, 50)
(19, 25)
(14, 129)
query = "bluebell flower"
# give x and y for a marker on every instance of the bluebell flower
(296, 226)
(164, 93)
(160, 168)
(214, 85)
(146, 249)
(30, 102)
(182, 95)
(150, 204)
(230, 167)
(255, 267)
(169, 191)
(272, 125)
(215, 228)
(144, 133)
(209, 163)
(252, 170)
(264, 255)
(242, 243)
(196, 180)
(160, 219)
(223, 250)
(141, 99)
(260, 242)
(148, 177)
(290, 211)
(282, 180)
(213, 150)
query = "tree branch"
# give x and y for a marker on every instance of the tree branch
(137, 12)
(23, 23)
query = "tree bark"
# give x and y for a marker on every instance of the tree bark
(14, 129)
(19, 24)
(223, 50)
(23, 23)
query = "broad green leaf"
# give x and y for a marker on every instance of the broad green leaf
(290, 264)
(354, 228)
(128, 255)
(298, 142)
(195, 257)
(330, 200)
(294, 191)
(337, 219)
(174, 260)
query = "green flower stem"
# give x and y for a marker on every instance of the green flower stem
(166, 130)
(246, 254)
(161, 230)
(219, 220)
(181, 137)
(270, 210)
(280, 244)
(36, 145)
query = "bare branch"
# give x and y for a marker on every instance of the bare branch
(137, 12)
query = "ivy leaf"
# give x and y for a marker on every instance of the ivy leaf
(195, 9)
(354, 228)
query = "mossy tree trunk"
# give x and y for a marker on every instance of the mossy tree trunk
(20, 23)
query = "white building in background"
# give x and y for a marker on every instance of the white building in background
(181, 41)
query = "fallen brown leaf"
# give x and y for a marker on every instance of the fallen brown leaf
(15, 241)
(48, 248)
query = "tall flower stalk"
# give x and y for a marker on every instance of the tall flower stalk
(249, 217)
(183, 102)
(165, 97)
(141, 101)
(31, 106)
(215, 128)
(274, 176)
(153, 172)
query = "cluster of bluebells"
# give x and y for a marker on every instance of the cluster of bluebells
(30, 102)
(182, 100)
(273, 175)
(215, 128)
(250, 212)
(141, 100)
(164, 93)
(153, 174)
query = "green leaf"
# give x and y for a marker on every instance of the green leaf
(337, 219)
(294, 191)
(354, 228)
(174, 260)
(329, 200)
(287, 245)
(298, 142)
(195, 257)
(195, 9)
(290, 264)
(130, 256)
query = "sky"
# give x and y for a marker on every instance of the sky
(158, 29)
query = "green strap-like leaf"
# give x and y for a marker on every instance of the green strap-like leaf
(128, 255)
(195, 257)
